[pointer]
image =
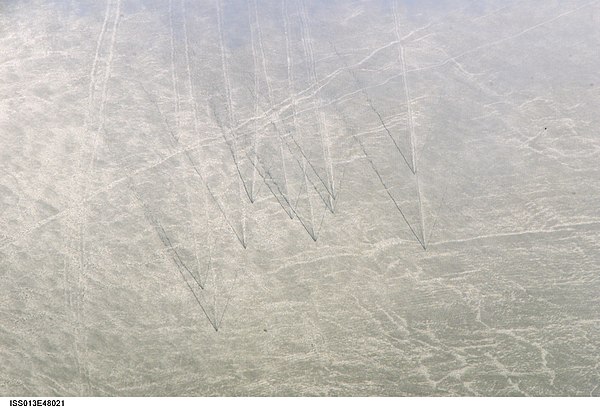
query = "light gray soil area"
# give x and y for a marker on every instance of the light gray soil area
(299, 197)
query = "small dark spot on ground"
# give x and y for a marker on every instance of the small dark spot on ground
(265, 330)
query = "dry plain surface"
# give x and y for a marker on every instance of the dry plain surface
(299, 197)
